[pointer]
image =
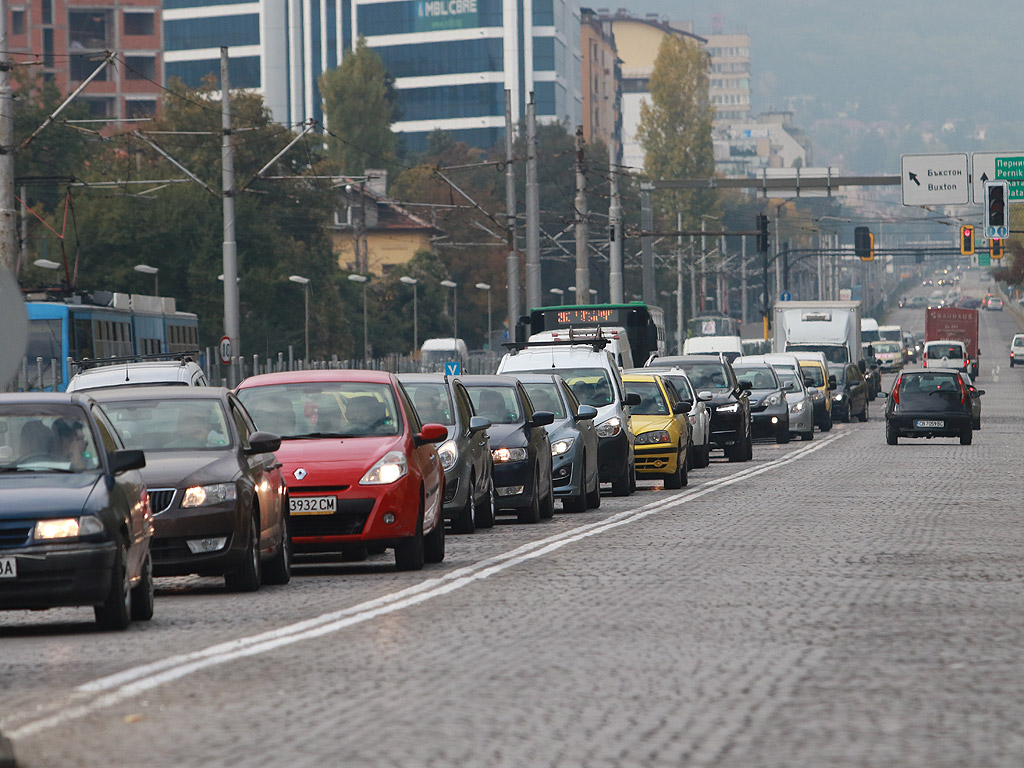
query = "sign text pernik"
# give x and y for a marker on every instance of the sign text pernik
(445, 14)
(1012, 169)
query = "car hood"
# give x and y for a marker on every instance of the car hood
(173, 469)
(642, 423)
(561, 429)
(349, 454)
(507, 435)
(719, 399)
(45, 494)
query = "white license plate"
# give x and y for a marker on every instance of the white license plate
(313, 505)
(924, 424)
(8, 568)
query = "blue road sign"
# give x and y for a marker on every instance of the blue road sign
(786, 296)
(453, 369)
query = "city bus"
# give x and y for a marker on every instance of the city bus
(644, 324)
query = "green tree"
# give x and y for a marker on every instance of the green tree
(675, 128)
(360, 105)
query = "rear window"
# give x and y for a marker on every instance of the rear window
(930, 391)
(949, 351)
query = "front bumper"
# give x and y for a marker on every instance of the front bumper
(509, 476)
(613, 456)
(456, 489)
(802, 421)
(173, 529)
(656, 460)
(769, 421)
(727, 428)
(58, 575)
(567, 472)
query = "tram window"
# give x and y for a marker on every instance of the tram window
(83, 339)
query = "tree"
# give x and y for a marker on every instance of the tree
(360, 104)
(675, 127)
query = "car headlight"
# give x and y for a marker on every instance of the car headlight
(67, 528)
(560, 447)
(729, 408)
(205, 495)
(610, 428)
(796, 407)
(503, 455)
(448, 453)
(653, 438)
(389, 468)
(839, 397)
(773, 399)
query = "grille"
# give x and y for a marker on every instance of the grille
(347, 521)
(15, 533)
(451, 489)
(160, 499)
(169, 549)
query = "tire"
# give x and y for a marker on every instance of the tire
(409, 553)
(465, 521)
(976, 424)
(750, 450)
(863, 416)
(827, 424)
(247, 577)
(808, 435)
(848, 414)
(890, 435)
(737, 452)
(966, 436)
(279, 569)
(871, 394)
(677, 479)
(532, 513)
(594, 496)
(632, 478)
(144, 593)
(623, 484)
(116, 611)
(547, 507)
(485, 512)
(705, 454)
(782, 436)
(433, 543)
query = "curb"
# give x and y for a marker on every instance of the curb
(7, 759)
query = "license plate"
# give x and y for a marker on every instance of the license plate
(8, 568)
(313, 505)
(924, 424)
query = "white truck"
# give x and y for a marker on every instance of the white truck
(831, 327)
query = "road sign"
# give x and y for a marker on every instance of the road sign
(983, 259)
(224, 350)
(935, 179)
(993, 166)
(453, 369)
(785, 296)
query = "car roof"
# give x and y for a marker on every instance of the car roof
(672, 360)
(539, 378)
(489, 381)
(309, 377)
(111, 394)
(46, 398)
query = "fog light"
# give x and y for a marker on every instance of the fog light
(562, 472)
(389, 518)
(510, 490)
(775, 419)
(204, 546)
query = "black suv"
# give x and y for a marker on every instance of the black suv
(729, 402)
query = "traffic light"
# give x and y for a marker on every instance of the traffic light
(995, 248)
(996, 194)
(966, 240)
(762, 233)
(863, 243)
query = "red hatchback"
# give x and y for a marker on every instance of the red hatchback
(361, 469)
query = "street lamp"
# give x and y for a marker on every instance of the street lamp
(487, 287)
(415, 317)
(304, 282)
(154, 271)
(366, 337)
(559, 293)
(455, 306)
(572, 289)
(46, 264)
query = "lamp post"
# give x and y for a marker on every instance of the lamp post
(154, 271)
(592, 291)
(559, 293)
(46, 264)
(455, 306)
(366, 337)
(487, 287)
(415, 317)
(304, 282)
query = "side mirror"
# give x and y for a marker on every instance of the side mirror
(431, 433)
(586, 412)
(705, 396)
(683, 406)
(478, 423)
(632, 398)
(977, 393)
(122, 461)
(262, 442)
(746, 386)
(831, 382)
(883, 394)
(541, 418)
(812, 390)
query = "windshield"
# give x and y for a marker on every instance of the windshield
(887, 348)
(39, 438)
(930, 392)
(939, 351)
(652, 401)
(839, 371)
(707, 375)
(1018, 341)
(545, 398)
(868, 336)
(814, 373)
(833, 353)
(498, 403)
(590, 385)
(170, 425)
(788, 376)
(759, 376)
(323, 409)
(433, 405)
(894, 334)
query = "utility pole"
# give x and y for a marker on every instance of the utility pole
(8, 221)
(230, 254)
(679, 285)
(615, 291)
(533, 275)
(647, 242)
(582, 256)
(703, 265)
(693, 280)
(743, 279)
(511, 258)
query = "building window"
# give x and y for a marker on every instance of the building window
(83, 64)
(100, 107)
(140, 67)
(138, 108)
(444, 58)
(17, 22)
(48, 46)
(212, 32)
(88, 30)
(138, 23)
(47, 11)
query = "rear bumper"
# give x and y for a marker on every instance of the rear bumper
(953, 425)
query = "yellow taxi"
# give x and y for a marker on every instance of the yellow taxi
(815, 373)
(662, 430)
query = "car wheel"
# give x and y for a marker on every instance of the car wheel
(532, 513)
(547, 507)
(485, 511)
(808, 435)
(409, 554)
(623, 484)
(678, 478)
(705, 453)
(826, 425)
(966, 436)
(750, 449)
(279, 569)
(144, 593)
(433, 543)
(976, 424)
(737, 452)
(848, 413)
(594, 496)
(871, 394)
(465, 521)
(864, 413)
(890, 434)
(782, 436)
(115, 613)
(246, 578)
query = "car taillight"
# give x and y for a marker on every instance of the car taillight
(963, 391)
(896, 390)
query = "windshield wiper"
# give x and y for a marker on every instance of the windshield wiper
(317, 435)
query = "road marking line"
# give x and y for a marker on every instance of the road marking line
(113, 689)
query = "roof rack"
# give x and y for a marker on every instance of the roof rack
(597, 344)
(95, 362)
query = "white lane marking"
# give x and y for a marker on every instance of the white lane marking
(113, 689)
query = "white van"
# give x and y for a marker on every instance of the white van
(729, 346)
(618, 341)
(436, 352)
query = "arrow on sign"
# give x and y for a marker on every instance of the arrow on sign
(913, 178)
(984, 177)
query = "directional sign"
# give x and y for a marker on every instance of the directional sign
(984, 260)
(935, 179)
(993, 166)
(453, 369)
(224, 350)
(785, 296)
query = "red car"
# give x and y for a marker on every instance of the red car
(361, 469)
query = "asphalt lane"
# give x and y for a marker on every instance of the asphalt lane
(838, 602)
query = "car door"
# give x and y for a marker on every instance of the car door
(426, 461)
(127, 495)
(857, 388)
(680, 415)
(477, 442)
(262, 474)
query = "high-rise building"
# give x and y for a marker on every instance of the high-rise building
(602, 82)
(729, 81)
(69, 39)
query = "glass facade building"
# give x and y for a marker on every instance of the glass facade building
(452, 60)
